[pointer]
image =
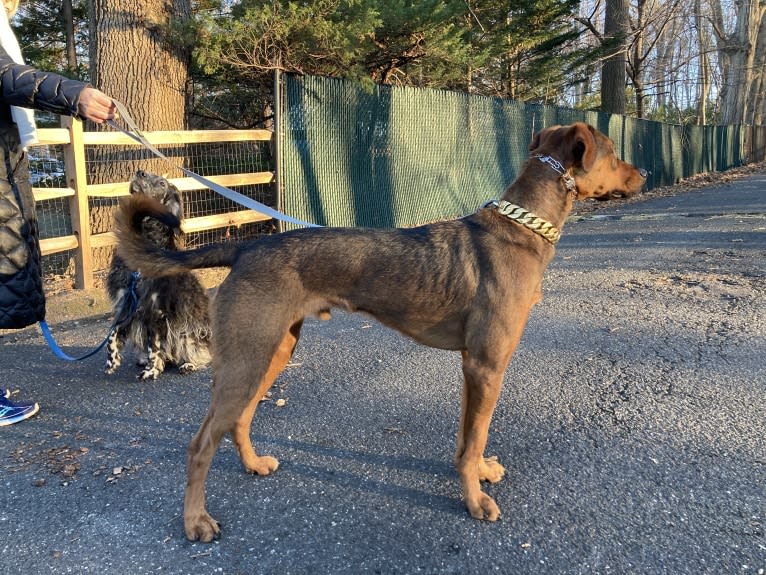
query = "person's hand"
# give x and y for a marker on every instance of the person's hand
(96, 106)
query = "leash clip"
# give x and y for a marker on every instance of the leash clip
(569, 183)
(558, 167)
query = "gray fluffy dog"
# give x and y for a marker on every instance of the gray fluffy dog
(166, 319)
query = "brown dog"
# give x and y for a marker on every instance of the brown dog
(466, 285)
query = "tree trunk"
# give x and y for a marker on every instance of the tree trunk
(132, 60)
(736, 53)
(757, 98)
(71, 53)
(705, 72)
(613, 70)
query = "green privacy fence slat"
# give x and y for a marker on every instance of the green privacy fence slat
(391, 156)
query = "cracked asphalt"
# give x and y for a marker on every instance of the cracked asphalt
(631, 425)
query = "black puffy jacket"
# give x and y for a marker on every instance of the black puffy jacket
(22, 301)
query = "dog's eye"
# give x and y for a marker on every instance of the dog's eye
(163, 184)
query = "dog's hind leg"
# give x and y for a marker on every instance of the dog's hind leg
(155, 364)
(198, 524)
(263, 464)
(231, 391)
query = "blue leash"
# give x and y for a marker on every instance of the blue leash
(129, 306)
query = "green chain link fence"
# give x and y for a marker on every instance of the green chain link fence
(391, 156)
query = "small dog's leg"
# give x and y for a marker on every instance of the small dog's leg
(188, 355)
(155, 364)
(186, 368)
(113, 347)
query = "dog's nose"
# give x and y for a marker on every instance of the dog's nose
(141, 174)
(643, 173)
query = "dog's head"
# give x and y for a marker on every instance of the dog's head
(590, 157)
(160, 189)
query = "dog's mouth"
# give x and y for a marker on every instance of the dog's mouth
(136, 187)
(632, 187)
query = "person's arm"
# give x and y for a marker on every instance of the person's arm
(28, 87)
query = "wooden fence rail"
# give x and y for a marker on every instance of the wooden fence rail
(74, 141)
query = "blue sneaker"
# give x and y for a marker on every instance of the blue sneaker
(15, 412)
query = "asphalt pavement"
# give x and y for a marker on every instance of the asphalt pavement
(631, 425)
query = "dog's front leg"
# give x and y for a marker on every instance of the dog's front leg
(480, 392)
(114, 346)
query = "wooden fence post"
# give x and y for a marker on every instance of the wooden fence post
(74, 163)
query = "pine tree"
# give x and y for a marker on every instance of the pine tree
(41, 28)
(523, 49)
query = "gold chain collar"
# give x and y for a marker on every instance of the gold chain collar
(527, 219)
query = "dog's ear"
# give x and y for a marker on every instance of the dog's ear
(173, 202)
(539, 137)
(583, 145)
(535, 143)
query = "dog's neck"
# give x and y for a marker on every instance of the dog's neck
(547, 208)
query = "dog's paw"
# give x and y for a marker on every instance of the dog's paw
(201, 527)
(262, 465)
(112, 365)
(491, 470)
(149, 373)
(187, 368)
(483, 508)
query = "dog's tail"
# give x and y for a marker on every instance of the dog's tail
(150, 259)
